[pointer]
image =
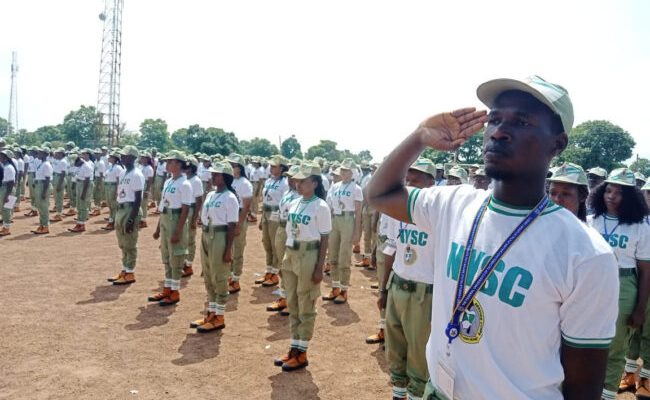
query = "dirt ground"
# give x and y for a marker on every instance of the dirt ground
(67, 333)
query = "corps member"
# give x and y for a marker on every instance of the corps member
(190, 171)
(71, 185)
(146, 167)
(159, 181)
(6, 187)
(98, 191)
(31, 162)
(219, 217)
(84, 184)
(456, 176)
(111, 181)
(481, 180)
(42, 179)
(274, 189)
(407, 295)
(619, 216)
(514, 274)
(172, 227)
(20, 177)
(129, 197)
(344, 198)
(60, 168)
(308, 226)
(568, 188)
(367, 214)
(244, 191)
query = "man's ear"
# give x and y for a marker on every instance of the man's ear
(561, 142)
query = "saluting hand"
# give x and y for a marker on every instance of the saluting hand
(448, 131)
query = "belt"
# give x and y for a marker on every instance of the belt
(382, 238)
(56, 173)
(110, 183)
(314, 245)
(31, 173)
(215, 228)
(627, 272)
(171, 210)
(283, 224)
(192, 206)
(409, 286)
(125, 204)
(270, 208)
(345, 214)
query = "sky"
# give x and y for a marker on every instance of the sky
(361, 73)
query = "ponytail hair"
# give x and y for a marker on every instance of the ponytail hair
(320, 189)
(228, 179)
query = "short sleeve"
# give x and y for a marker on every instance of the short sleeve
(186, 193)
(328, 198)
(324, 218)
(589, 321)
(642, 252)
(48, 170)
(137, 182)
(197, 188)
(358, 193)
(232, 210)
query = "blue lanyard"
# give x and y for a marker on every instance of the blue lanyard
(464, 299)
(607, 235)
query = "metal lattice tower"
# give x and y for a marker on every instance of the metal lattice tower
(108, 96)
(13, 96)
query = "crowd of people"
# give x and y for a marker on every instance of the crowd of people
(555, 262)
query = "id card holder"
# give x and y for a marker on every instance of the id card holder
(389, 249)
(445, 377)
(338, 212)
(275, 216)
(290, 242)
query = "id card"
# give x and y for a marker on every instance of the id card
(389, 249)
(290, 242)
(275, 216)
(445, 378)
(11, 202)
(338, 212)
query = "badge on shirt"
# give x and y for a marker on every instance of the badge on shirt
(410, 255)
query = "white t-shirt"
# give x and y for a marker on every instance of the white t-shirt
(365, 180)
(441, 182)
(204, 174)
(147, 171)
(9, 173)
(342, 196)
(176, 193)
(274, 190)
(31, 164)
(629, 242)
(85, 171)
(326, 182)
(541, 294)
(100, 167)
(383, 225)
(20, 165)
(220, 208)
(44, 171)
(414, 251)
(72, 171)
(258, 174)
(308, 220)
(356, 175)
(113, 173)
(26, 160)
(285, 203)
(161, 169)
(197, 188)
(249, 170)
(60, 166)
(243, 188)
(129, 183)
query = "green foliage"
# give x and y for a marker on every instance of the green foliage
(209, 148)
(154, 133)
(179, 139)
(438, 157)
(598, 144)
(471, 152)
(130, 138)
(641, 165)
(258, 147)
(326, 149)
(4, 127)
(365, 155)
(224, 142)
(82, 126)
(290, 147)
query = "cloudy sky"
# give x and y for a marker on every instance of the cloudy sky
(361, 73)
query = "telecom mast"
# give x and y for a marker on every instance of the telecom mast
(108, 96)
(13, 96)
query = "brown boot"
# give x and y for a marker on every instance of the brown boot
(126, 279)
(356, 249)
(31, 213)
(279, 361)
(376, 338)
(71, 212)
(198, 322)
(78, 228)
(143, 224)
(16, 209)
(298, 361)
(116, 277)
(56, 218)
(643, 389)
(628, 382)
(213, 323)
(327, 268)
(41, 230)
(5, 231)
(104, 204)
(342, 297)
(333, 294)
(273, 280)
(364, 262)
(53, 210)
(95, 213)
(262, 279)
(162, 295)
(234, 287)
(173, 298)
(109, 227)
(187, 271)
(278, 305)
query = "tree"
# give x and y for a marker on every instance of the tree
(598, 144)
(208, 148)
(179, 139)
(4, 127)
(50, 133)
(365, 155)
(326, 149)
(154, 133)
(471, 152)
(437, 156)
(641, 165)
(130, 138)
(290, 147)
(258, 147)
(224, 142)
(81, 126)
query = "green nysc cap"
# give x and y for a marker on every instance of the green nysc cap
(175, 155)
(292, 171)
(639, 177)
(221, 167)
(569, 173)
(459, 173)
(349, 164)
(307, 170)
(602, 172)
(193, 161)
(236, 159)
(552, 95)
(278, 160)
(646, 186)
(130, 150)
(8, 153)
(622, 176)
(424, 165)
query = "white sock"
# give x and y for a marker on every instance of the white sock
(609, 395)
(630, 365)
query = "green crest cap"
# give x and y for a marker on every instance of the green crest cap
(115, 153)
(459, 173)
(639, 177)
(292, 171)
(70, 144)
(176, 155)
(130, 150)
(217, 157)
(598, 172)
(193, 161)
(646, 186)
(307, 170)
(569, 173)
(145, 153)
(59, 150)
(348, 163)
(8, 153)
(278, 160)
(550, 94)
(221, 167)
(365, 164)
(236, 159)
(33, 148)
(440, 167)
(337, 171)
(424, 165)
(87, 151)
(319, 160)
(622, 176)
(296, 161)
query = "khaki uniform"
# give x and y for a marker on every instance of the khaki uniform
(110, 190)
(239, 245)
(340, 249)
(42, 204)
(215, 271)
(172, 254)
(58, 194)
(280, 249)
(302, 293)
(128, 242)
(83, 205)
(7, 213)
